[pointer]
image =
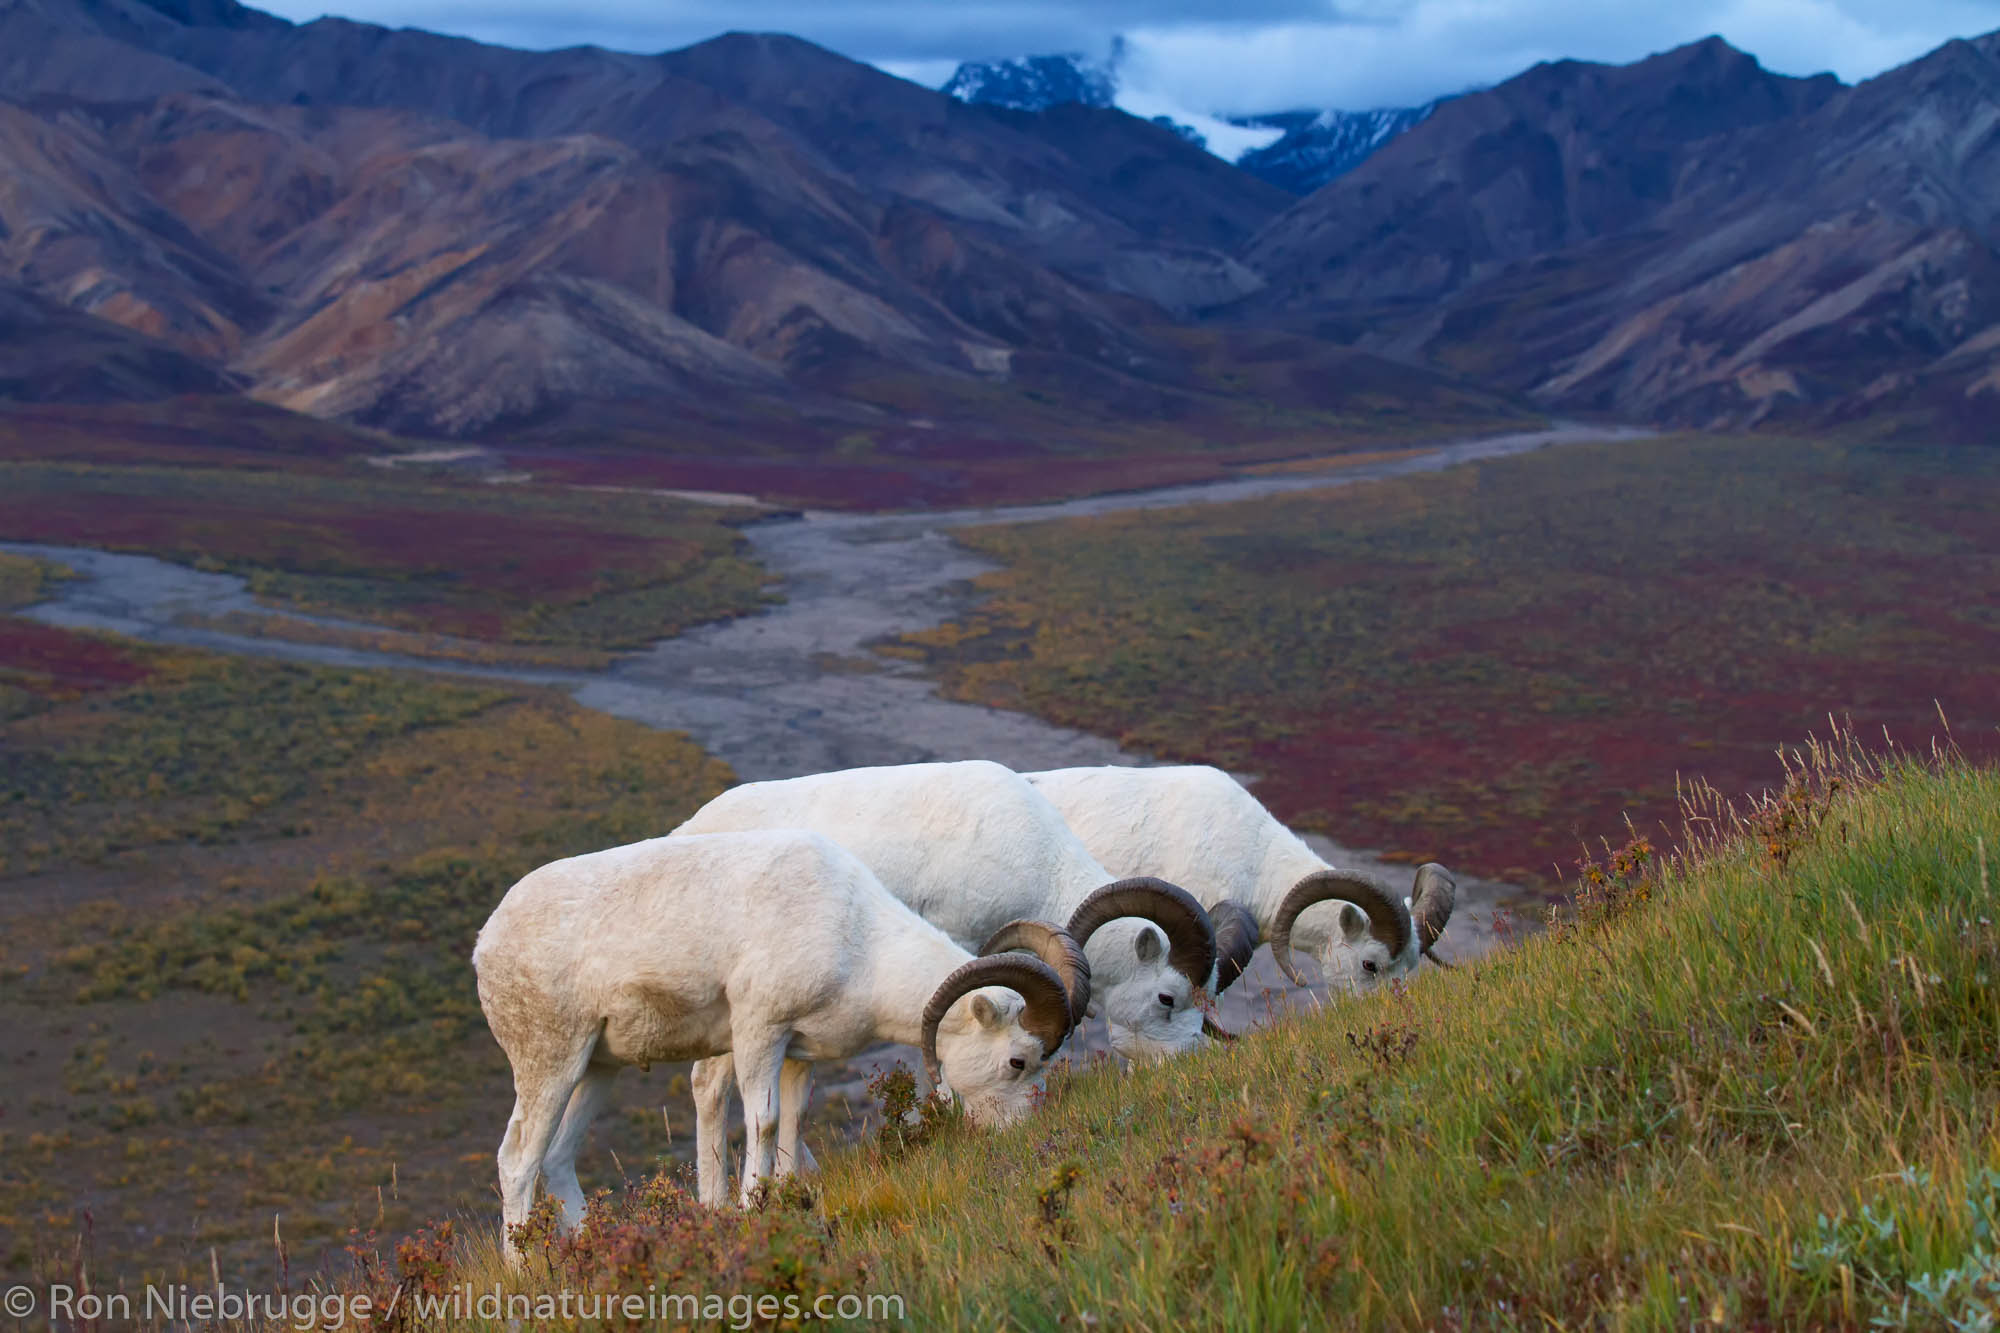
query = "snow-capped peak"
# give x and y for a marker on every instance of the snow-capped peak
(1315, 148)
(1034, 83)
(1298, 150)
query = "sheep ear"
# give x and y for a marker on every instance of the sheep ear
(986, 1012)
(1147, 945)
(1353, 922)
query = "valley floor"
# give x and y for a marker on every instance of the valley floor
(214, 890)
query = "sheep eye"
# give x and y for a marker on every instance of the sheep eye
(1166, 1000)
(1368, 966)
(1018, 1062)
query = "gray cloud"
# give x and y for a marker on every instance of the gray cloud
(1430, 47)
(875, 30)
(1236, 55)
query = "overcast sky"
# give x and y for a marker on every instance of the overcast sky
(1235, 56)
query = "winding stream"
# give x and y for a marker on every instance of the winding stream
(764, 692)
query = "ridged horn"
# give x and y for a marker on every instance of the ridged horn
(1235, 941)
(1431, 903)
(1190, 934)
(1054, 946)
(1046, 1015)
(1388, 919)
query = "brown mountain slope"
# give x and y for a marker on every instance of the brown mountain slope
(50, 353)
(1561, 155)
(1050, 186)
(1742, 248)
(81, 229)
(444, 238)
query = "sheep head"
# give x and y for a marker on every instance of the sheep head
(1372, 939)
(1152, 947)
(989, 1030)
(1361, 951)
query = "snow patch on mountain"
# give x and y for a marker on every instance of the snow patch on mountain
(1033, 83)
(1297, 150)
(1315, 147)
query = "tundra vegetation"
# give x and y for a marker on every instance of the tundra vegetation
(237, 908)
(1749, 1083)
(587, 571)
(1483, 665)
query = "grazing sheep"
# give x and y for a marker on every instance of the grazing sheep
(1197, 826)
(970, 846)
(777, 947)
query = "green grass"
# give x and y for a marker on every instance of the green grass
(1674, 1108)
(203, 749)
(1751, 1085)
(1484, 666)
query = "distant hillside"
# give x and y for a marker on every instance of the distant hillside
(754, 247)
(50, 353)
(430, 235)
(1689, 239)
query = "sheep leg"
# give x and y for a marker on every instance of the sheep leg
(541, 1092)
(795, 1089)
(559, 1162)
(759, 1070)
(713, 1080)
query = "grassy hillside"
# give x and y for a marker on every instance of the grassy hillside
(1485, 665)
(1749, 1086)
(1758, 1088)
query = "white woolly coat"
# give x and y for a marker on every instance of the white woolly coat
(672, 943)
(969, 846)
(1197, 826)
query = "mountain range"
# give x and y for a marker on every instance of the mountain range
(755, 246)
(1689, 239)
(433, 236)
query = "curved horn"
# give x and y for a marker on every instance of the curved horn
(1435, 895)
(1214, 1029)
(1190, 934)
(1235, 941)
(1388, 919)
(1046, 1015)
(1053, 946)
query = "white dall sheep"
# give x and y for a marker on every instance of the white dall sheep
(764, 945)
(1197, 826)
(971, 846)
